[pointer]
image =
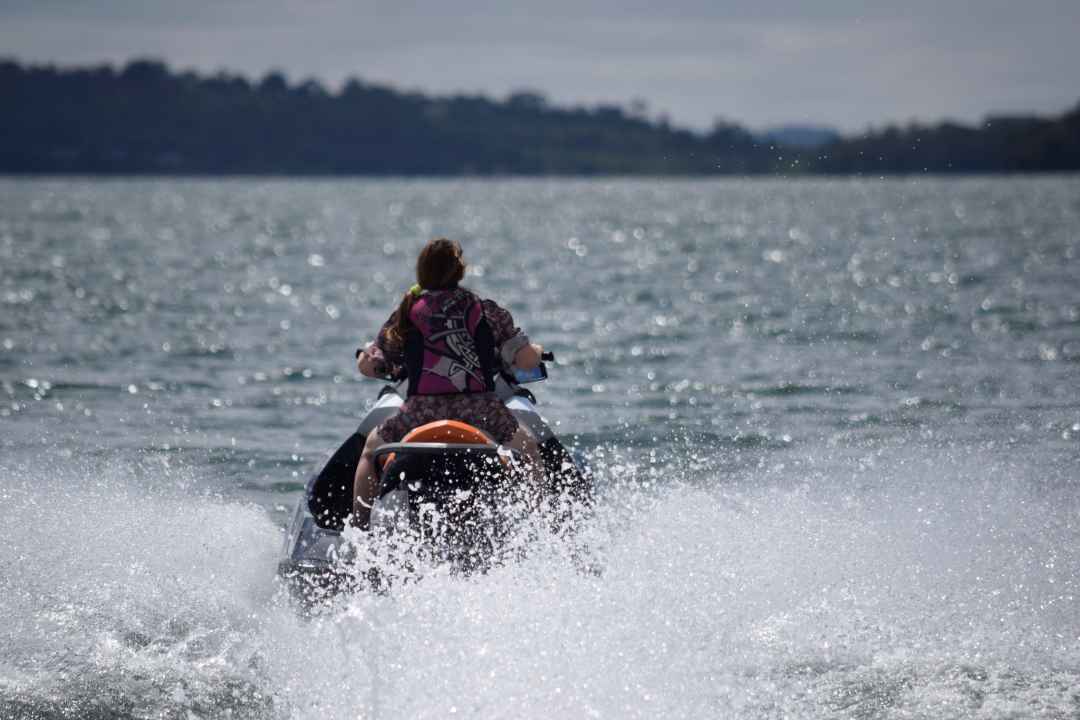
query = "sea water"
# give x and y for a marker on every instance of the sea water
(834, 425)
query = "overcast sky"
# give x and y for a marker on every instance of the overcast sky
(758, 62)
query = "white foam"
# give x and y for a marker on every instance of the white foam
(923, 593)
(122, 589)
(922, 586)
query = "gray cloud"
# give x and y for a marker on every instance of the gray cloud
(835, 61)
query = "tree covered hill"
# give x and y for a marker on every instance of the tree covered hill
(998, 144)
(144, 118)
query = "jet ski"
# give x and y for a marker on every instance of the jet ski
(446, 483)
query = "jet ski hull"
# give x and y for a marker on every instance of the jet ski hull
(310, 555)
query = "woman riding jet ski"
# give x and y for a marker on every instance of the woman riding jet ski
(445, 339)
(464, 437)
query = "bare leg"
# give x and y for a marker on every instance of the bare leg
(523, 441)
(364, 484)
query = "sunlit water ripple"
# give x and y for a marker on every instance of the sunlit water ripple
(835, 426)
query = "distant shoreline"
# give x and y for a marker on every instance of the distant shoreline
(146, 120)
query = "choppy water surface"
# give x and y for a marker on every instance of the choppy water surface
(836, 428)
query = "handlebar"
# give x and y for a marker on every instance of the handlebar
(546, 356)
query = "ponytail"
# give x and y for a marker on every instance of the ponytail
(400, 329)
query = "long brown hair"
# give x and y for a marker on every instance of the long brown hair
(438, 267)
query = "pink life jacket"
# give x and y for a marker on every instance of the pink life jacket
(450, 348)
